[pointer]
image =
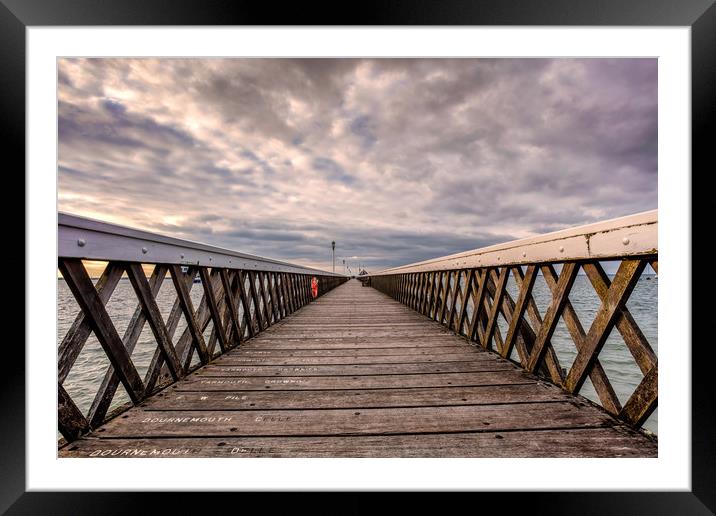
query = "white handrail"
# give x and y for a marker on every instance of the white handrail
(632, 235)
(91, 239)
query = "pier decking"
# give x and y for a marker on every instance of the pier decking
(357, 374)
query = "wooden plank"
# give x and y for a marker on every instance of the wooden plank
(351, 352)
(81, 286)
(465, 355)
(415, 420)
(292, 383)
(447, 396)
(429, 341)
(571, 443)
(330, 333)
(391, 368)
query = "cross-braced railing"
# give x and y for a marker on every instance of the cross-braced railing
(242, 295)
(467, 293)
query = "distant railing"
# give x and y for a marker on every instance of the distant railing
(242, 296)
(467, 293)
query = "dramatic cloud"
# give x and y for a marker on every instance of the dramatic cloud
(397, 160)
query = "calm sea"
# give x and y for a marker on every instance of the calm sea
(624, 374)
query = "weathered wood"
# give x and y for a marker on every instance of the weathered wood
(624, 281)
(256, 316)
(597, 375)
(518, 311)
(107, 389)
(549, 368)
(293, 383)
(264, 283)
(289, 343)
(82, 288)
(525, 337)
(231, 306)
(559, 298)
(188, 309)
(274, 297)
(420, 292)
(207, 283)
(571, 443)
(478, 301)
(635, 340)
(461, 418)
(462, 354)
(154, 317)
(351, 352)
(435, 297)
(76, 337)
(245, 303)
(353, 365)
(495, 310)
(70, 421)
(465, 298)
(643, 400)
(419, 397)
(453, 303)
(281, 297)
(226, 370)
(263, 299)
(157, 363)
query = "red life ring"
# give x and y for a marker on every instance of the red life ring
(314, 287)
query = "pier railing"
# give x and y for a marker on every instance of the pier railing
(242, 296)
(467, 293)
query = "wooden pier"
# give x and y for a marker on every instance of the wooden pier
(357, 374)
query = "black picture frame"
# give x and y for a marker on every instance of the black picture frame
(700, 15)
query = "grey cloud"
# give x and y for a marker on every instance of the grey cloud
(407, 159)
(332, 170)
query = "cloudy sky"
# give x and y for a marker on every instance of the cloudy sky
(395, 160)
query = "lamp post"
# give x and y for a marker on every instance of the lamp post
(333, 246)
